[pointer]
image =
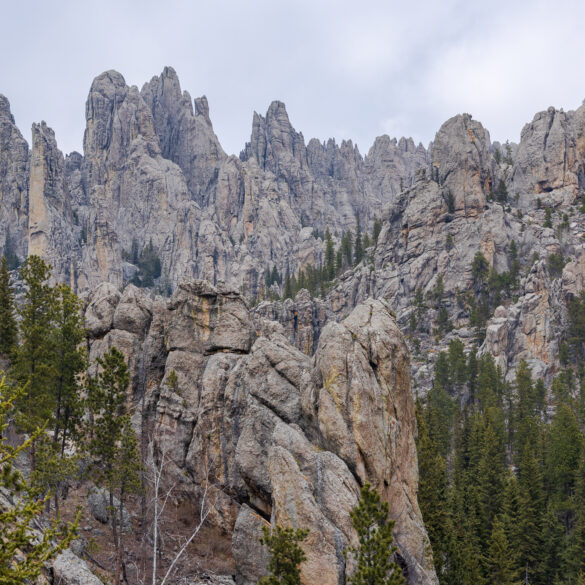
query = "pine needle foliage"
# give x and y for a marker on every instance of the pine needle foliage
(374, 556)
(286, 555)
(8, 327)
(23, 550)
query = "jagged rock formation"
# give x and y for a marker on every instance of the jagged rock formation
(285, 438)
(154, 172)
(551, 155)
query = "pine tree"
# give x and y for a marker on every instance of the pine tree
(53, 472)
(374, 564)
(366, 241)
(564, 449)
(286, 555)
(23, 553)
(347, 247)
(107, 398)
(491, 471)
(513, 260)
(70, 362)
(8, 327)
(288, 286)
(575, 549)
(12, 261)
(359, 251)
(531, 547)
(499, 560)
(35, 359)
(275, 277)
(376, 231)
(472, 372)
(329, 256)
(433, 494)
(125, 481)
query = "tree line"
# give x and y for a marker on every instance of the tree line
(502, 473)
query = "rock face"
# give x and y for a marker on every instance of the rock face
(285, 438)
(461, 164)
(551, 154)
(14, 180)
(154, 174)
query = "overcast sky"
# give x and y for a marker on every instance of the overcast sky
(344, 69)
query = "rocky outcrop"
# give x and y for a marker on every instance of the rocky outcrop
(69, 569)
(301, 319)
(185, 132)
(51, 231)
(531, 328)
(14, 164)
(551, 156)
(283, 437)
(461, 164)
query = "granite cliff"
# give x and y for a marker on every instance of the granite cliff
(282, 437)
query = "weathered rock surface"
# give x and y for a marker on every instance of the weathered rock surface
(153, 173)
(14, 182)
(69, 569)
(461, 164)
(284, 437)
(98, 502)
(551, 155)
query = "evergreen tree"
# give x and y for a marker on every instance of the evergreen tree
(531, 547)
(564, 448)
(35, 358)
(70, 362)
(126, 481)
(8, 327)
(491, 471)
(286, 555)
(433, 493)
(275, 277)
(576, 326)
(329, 256)
(513, 261)
(347, 247)
(359, 251)
(439, 418)
(376, 231)
(457, 363)
(23, 553)
(107, 400)
(288, 286)
(366, 241)
(374, 554)
(499, 560)
(472, 373)
(480, 269)
(501, 192)
(53, 472)
(12, 261)
(575, 546)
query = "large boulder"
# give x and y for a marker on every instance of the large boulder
(69, 569)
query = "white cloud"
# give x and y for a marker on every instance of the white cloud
(344, 69)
